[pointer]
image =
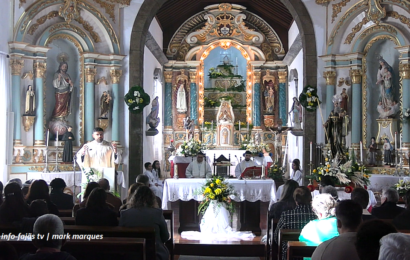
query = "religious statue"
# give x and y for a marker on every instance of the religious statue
(334, 126)
(388, 112)
(297, 113)
(30, 102)
(385, 82)
(152, 119)
(257, 138)
(345, 100)
(269, 97)
(224, 136)
(189, 126)
(388, 150)
(105, 104)
(372, 152)
(181, 99)
(64, 87)
(68, 139)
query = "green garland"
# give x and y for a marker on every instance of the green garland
(309, 99)
(136, 99)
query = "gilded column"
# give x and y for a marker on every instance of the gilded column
(168, 100)
(282, 97)
(16, 66)
(356, 76)
(115, 77)
(89, 97)
(404, 69)
(330, 77)
(193, 96)
(256, 99)
(39, 75)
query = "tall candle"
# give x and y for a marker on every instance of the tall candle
(247, 127)
(401, 136)
(57, 136)
(310, 151)
(361, 151)
(239, 125)
(202, 124)
(48, 135)
(212, 125)
(395, 140)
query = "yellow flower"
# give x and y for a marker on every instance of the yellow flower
(130, 101)
(309, 94)
(218, 181)
(207, 190)
(347, 153)
(141, 100)
(327, 170)
(320, 173)
(211, 196)
(326, 159)
(314, 171)
(328, 166)
(320, 178)
(211, 185)
(218, 191)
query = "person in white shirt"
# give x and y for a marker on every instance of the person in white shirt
(154, 183)
(244, 164)
(199, 168)
(295, 175)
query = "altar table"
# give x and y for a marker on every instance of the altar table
(68, 177)
(247, 191)
(182, 162)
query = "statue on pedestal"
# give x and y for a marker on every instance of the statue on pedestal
(68, 139)
(30, 105)
(345, 100)
(388, 150)
(269, 97)
(181, 99)
(387, 107)
(297, 113)
(63, 87)
(152, 119)
(372, 152)
(189, 126)
(105, 104)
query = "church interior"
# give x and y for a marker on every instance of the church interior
(244, 95)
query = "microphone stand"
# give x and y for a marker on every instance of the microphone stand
(74, 186)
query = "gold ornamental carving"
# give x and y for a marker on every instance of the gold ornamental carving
(337, 8)
(192, 76)
(69, 11)
(29, 75)
(379, 38)
(323, 2)
(115, 76)
(404, 19)
(355, 30)
(404, 69)
(356, 76)
(90, 74)
(68, 26)
(257, 77)
(103, 123)
(330, 77)
(40, 69)
(41, 20)
(89, 29)
(109, 8)
(66, 37)
(375, 28)
(268, 77)
(375, 12)
(282, 76)
(168, 76)
(182, 77)
(16, 66)
(102, 80)
(28, 122)
(225, 7)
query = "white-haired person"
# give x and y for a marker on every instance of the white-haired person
(48, 248)
(325, 227)
(395, 246)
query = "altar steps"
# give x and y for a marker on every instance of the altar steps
(185, 249)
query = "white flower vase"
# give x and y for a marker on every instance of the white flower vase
(216, 219)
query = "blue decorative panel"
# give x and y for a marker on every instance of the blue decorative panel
(168, 105)
(282, 104)
(257, 104)
(194, 103)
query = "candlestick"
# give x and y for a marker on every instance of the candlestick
(48, 135)
(395, 140)
(202, 125)
(212, 126)
(239, 126)
(57, 137)
(361, 151)
(247, 127)
(401, 137)
(311, 151)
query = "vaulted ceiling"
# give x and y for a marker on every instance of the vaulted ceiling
(175, 12)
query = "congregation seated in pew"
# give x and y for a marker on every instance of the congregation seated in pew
(14, 208)
(111, 198)
(401, 221)
(57, 195)
(361, 196)
(39, 190)
(389, 208)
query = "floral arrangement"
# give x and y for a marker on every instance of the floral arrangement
(406, 113)
(208, 125)
(309, 99)
(402, 187)
(275, 171)
(255, 148)
(243, 125)
(217, 188)
(211, 103)
(136, 99)
(342, 175)
(190, 148)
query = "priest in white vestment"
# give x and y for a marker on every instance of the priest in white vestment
(244, 164)
(98, 154)
(199, 168)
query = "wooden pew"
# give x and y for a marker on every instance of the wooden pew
(287, 235)
(65, 212)
(135, 232)
(271, 226)
(298, 249)
(106, 249)
(169, 215)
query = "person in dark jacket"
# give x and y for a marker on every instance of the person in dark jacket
(361, 196)
(96, 211)
(389, 208)
(58, 197)
(14, 208)
(39, 190)
(402, 221)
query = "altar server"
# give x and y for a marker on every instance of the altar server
(199, 168)
(244, 164)
(154, 183)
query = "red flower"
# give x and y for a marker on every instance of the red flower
(311, 187)
(365, 187)
(172, 140)
(348, 189)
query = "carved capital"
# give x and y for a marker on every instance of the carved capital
(16, 66)
(404, 69)
(90, 74)
(282, 76)
(330, 77)
(356, 76)
(192, 76)
(40, 69)
(115, 76)
(168, 76)
(257, 77)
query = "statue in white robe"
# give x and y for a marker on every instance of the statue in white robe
(181, 99)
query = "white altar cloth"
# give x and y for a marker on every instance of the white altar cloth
(68, 177)
(379, 182)
(234, 160)
(187, 189)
